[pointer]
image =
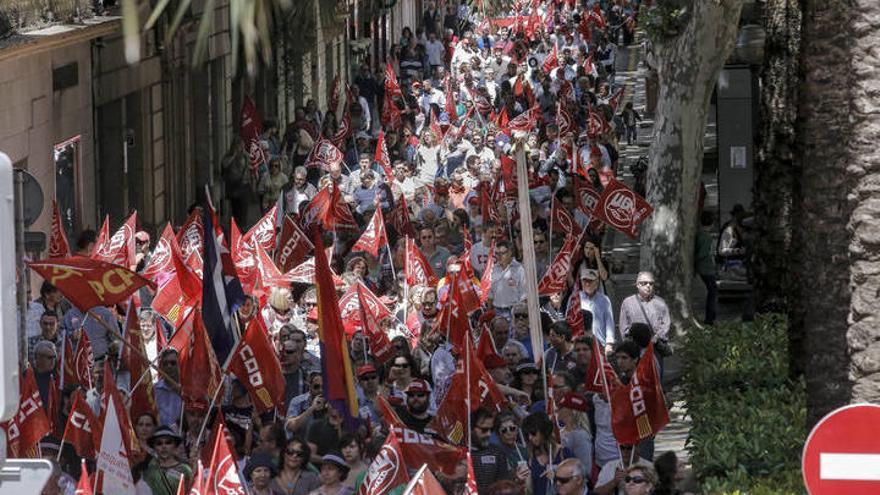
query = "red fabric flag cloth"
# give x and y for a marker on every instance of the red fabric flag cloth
(58, 245)
(562, 221)
(223, 478)
(526, 121)
(250, 129)
(84, 486)
(621, 208)
(573, 315)
(255, 364)
(387, 471)
(67, 365)
(335, 361)
(416, 267)
(191, 238)
(555, 279)
(391, 85)
(564, 121)
(452, 321)
(350, 303)
(425, 483)
(199, 372)
(600, 375)
(30, 423)
(119, 249)
(87, 283)
(293, 247)
(450, 99)
(82, 361)
(83, 429)
(329, 211)
(181, 289)
(470, 487)
(616, 98)
(143, 399)
(398, 217)
(160, 259)
(552, 60)
(374, 236)
(391, 117)
(344, 131)
(380, 345)
(324, 154)
(639, 408)
(334, 95)
(262, 233)
(136, 452)
(383, 158)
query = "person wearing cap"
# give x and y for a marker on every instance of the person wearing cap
(164, 470)
(571, 411)
(646, 307)
(334, 471)
(368, 391)
(599, 307)
(414, 414)
(258, 472)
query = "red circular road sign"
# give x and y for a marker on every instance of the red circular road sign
(842, 453)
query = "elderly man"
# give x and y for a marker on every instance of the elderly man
(645, 307)
(570, 477)
(599, 306)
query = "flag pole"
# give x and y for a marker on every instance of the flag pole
(607, 394)
(467, 370)
(63, 362)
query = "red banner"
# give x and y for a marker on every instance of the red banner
(398, 217)
(223, 478)
(30, 423)
(87, 283)
(357, 296)
(600, 375)
(160, 258)
(557, 273)
(255, 364)
(621, 208)
(380, 346)
(561, 220)
(383, 158)
(293, 247)
(119, 249)
(191, 239)
(83, 429)
(552, 60)
(374, 236)
(418, 270)
(58, 245)
(250, 130)
(324, 154)
(387, 471)
(639, 408)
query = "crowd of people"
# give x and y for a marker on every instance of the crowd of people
(423, 143)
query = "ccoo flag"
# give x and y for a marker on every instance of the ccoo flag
(221, 290)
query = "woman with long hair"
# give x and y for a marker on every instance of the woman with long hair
(294, 476)
(352, 448)
(544, 453)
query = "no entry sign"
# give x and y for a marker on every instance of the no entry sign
(842, 453)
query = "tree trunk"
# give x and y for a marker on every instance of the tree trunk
(822, 301)
(775, 169)
(688, 65)
(864, 222)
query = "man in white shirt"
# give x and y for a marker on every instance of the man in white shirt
(480, 250)
(434, 50)
(508, 280)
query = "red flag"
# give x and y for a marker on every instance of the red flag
(596, 124)
(305, 274)
(374, 236)
(71, 377)
(600, 375)
(119, 249)
(552, 60)
(199, 372)
(344, 130)
(103, 236)
(83, 360)
(387, 471)
(434, 125)
(262, 233)
(335, 361)
(30, 423)
(84, 487)
(191, 239)
(470, 487)
(419, 448)
(293, 247)
(639, 408)
(616, 98)
(382, 157)
(450, 99)
(526, 121)
(562, 221)
(334, 94)
(398, 217)
(391, 117)
(350, 303)
(380, 346)
(223, 478)
(621, 208)
(391, 85)
(573, 315)
(160, 258)
(595, 16)
(181, 290)
(256, 365)
(452, 320)
(129, 438)
(557, 273)
(564, 121)
(324, 154)
(83, 429)
(416, 267)
(143, 398)
(87, 283)
(587, 200)
(486, 278)
(58, 246)
(250, 130)
(328, 209)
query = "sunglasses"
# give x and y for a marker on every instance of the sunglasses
(46, 356)
(646, 283)
(521, 315)
(160, 442)
(419, 395)
(400, 365)
(507, 429)
(560, 480)
(636, 480)
(294, 452)
(369, 377)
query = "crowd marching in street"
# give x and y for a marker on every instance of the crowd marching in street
(419, 306)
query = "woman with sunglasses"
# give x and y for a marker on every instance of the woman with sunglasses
(526, 379)
(639, 480)
(509, 441)
(544, 453)
(294, 476)
(402, 371)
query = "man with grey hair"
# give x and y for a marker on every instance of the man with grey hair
(645, 307)
(570, 477)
